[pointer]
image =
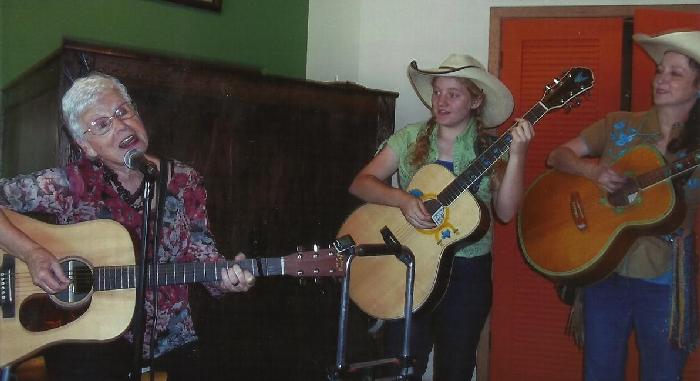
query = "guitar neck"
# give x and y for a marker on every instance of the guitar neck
(487, 159)
(673, 169)
(121, 277)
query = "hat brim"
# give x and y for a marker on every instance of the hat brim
(685, 42)
(499, 101)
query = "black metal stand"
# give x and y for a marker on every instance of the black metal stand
(139, 315)
(403, 254)
(5, 372)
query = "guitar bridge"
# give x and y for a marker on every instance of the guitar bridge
(577, 213)
(7, 290)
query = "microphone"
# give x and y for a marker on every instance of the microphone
(134, 159)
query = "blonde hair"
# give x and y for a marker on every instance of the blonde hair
(421, 148)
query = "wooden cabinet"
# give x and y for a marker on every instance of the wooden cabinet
(278, 155)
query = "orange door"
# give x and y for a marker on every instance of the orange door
(527, 320)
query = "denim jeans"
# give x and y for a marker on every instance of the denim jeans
(613, 309)
(454, 327)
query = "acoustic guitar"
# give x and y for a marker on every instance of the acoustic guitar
(98, 258)
(377, 284)
(573, 232)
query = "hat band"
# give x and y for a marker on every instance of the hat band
(449, 69)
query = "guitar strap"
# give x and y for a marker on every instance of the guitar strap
(482, 142)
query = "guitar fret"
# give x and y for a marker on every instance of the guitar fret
(124, 277)
(486, 160)
(677, 167)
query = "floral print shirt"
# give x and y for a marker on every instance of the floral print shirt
(79, 192)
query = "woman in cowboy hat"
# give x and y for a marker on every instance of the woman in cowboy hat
(465, 100)
(653, 289)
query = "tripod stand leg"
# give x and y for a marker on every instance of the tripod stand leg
(5, 373)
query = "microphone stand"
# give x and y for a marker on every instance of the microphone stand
(140, 273)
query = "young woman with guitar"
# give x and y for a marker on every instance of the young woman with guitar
(652, 289)
(465, 100)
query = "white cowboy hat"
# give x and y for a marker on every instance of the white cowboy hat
(499, 100)
(684, 42)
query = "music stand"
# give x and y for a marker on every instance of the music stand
(404, 255)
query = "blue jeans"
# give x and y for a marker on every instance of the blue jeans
(454, 326)
(612, 309)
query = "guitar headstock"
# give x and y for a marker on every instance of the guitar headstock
(567, 86)
(315, 263)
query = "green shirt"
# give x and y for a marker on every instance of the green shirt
(402, 143)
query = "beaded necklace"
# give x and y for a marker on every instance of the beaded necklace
(134, 200)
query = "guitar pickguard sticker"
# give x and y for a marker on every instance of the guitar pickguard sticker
(445, 234)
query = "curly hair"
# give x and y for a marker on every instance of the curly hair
(689, 138)
(84, 94)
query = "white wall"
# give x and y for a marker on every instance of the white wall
(371, 42)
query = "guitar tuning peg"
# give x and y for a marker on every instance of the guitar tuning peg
(316, 247)
(300, 248)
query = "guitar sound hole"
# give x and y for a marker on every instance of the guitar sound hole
(436, 210)
(81, 278)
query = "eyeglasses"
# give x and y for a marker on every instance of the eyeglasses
(103, 125)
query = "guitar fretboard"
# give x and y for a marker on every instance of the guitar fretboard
(121, 277)
(675, 168)
(486, 160)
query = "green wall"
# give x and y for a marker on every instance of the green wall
(269, 34)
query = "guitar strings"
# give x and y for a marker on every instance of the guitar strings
(24, 280)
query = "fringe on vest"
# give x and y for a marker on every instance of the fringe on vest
(683, 323)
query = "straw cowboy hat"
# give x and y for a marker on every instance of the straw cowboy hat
(499, 100)
(684, 42)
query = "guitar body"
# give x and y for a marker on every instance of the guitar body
(555, 247)
(99, 243)
(378, 284)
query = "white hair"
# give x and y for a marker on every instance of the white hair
(84, 94)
